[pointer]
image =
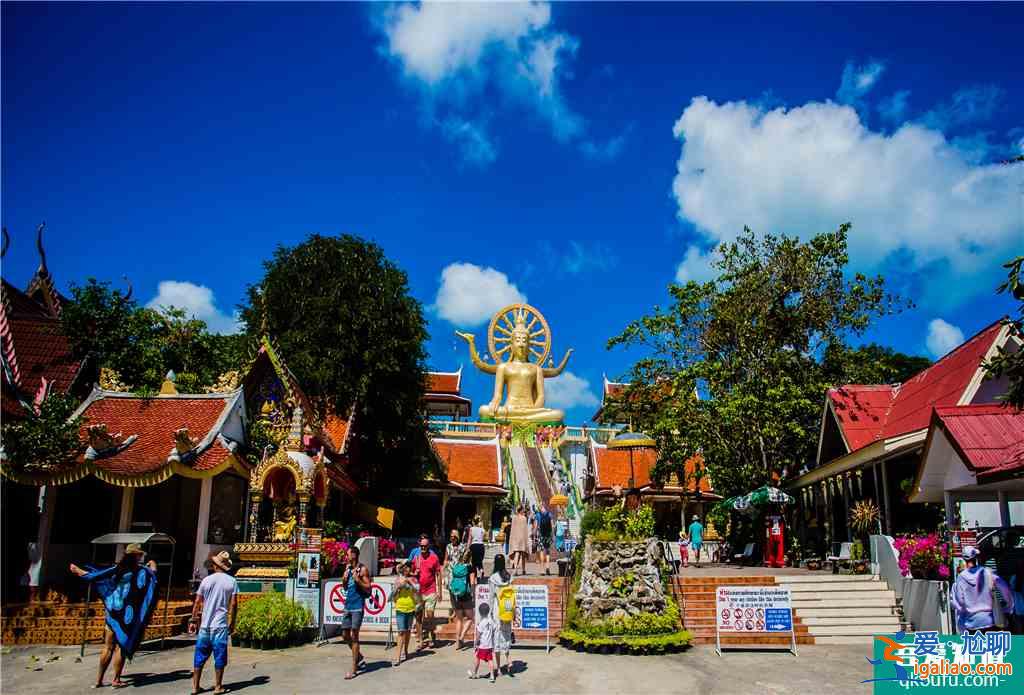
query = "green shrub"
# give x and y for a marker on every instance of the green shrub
(640, 524)
(271, 616)
(650, 644)
(592, 521)
(615, 519)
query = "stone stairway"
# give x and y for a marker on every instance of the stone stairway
(827, 609)
(843, 609)
(524, 479)
(45, 622)
(539, 472)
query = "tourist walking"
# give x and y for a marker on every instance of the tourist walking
(452, 554)
(975, 593)
(503, 606)
(476, 543)
(506, 532)
(405, 596)
(684, 550)
(486, 631)
(696, 532)
(427, 568)
(561, 527)
(519, 542)
(356, 580)
(213, 620)
(128, 590)
(461, 590)
(544, 532)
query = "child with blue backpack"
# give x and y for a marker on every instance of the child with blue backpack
(461, 587)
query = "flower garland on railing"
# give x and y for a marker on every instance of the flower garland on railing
(923, 557)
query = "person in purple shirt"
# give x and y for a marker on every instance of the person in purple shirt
(974, 593)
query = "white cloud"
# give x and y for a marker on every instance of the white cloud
(696, 266)
(893, 109)
(581, 258)
(569, 391)
(942, 337)
(808, 169)
(472, 139)
(857, 81)
(470, 294)
(462, 54)
(197, 301)
(604, 151)
(974, 104)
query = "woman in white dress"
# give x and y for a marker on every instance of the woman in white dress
(503, 638)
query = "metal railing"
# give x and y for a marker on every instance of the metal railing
(601, 435)
(458, 427)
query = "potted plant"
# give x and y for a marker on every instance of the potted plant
(857, 560)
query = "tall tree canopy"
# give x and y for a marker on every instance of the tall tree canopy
(736, 368)
(1009, 362)
(348, 328)
(142, 344)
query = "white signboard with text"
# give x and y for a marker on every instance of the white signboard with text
(377, 609)
(531, 607)
(753, 610)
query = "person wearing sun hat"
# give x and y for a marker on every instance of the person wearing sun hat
(975, 592)
(128, 590)
(216, 602)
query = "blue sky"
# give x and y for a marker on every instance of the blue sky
(582, 156)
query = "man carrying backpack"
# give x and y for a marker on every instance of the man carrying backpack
(356, 581)
(544, 531)
(461, 588)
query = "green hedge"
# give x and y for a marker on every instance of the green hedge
(271, 616)
(649, 644)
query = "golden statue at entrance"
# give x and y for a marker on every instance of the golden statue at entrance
(285, 520)
(517, 334)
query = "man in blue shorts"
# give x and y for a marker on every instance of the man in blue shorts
(696, 538)
(216, 600)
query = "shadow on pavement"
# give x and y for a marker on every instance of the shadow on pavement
(240, 685)
(137, 680)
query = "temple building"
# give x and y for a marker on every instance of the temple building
(875, 439)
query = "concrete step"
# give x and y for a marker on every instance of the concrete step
(870, 601)
(830, 578)
(833, 630)
(827, 611)
(817, 620)
(843, 639)
(888, 597)
(834, 587)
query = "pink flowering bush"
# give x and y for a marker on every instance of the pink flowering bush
(334, 557)
(386, 551)
(923, 557)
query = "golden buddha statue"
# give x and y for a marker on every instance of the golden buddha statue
(516, 334)
(285, 521)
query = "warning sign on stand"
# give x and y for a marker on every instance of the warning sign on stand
(753, 610)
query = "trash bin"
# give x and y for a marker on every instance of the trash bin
(563, 566)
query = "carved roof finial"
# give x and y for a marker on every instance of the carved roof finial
(39, 246)
(7, 242)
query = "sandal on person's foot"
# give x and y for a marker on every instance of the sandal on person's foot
(118, 684)
(349, 676)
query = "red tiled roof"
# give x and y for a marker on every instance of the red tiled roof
(342, 480)
(444, 382)
(337, 429)
(870, 413)
(613, 389)
(469, 463)
(42, 350)
(990, 438)
(154, 420)
(860, 411)
(613, 469)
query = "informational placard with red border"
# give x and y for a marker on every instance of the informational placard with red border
(753, 610)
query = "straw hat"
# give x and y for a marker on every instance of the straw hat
(134, 549)
(222, 560)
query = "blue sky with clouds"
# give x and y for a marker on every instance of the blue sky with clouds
(580, 156)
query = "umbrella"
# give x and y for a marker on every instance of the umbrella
(760, 496)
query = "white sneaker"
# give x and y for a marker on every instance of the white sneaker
(471, 675)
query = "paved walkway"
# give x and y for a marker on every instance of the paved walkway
(310, 670)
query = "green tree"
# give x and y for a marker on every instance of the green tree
(733, 367)
(348, 328)
(1010, 363)
(142, 344)
(46, 440)
(870, 364)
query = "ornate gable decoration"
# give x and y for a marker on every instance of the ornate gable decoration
(102, 443)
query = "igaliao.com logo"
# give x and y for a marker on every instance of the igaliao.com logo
(927, 644)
